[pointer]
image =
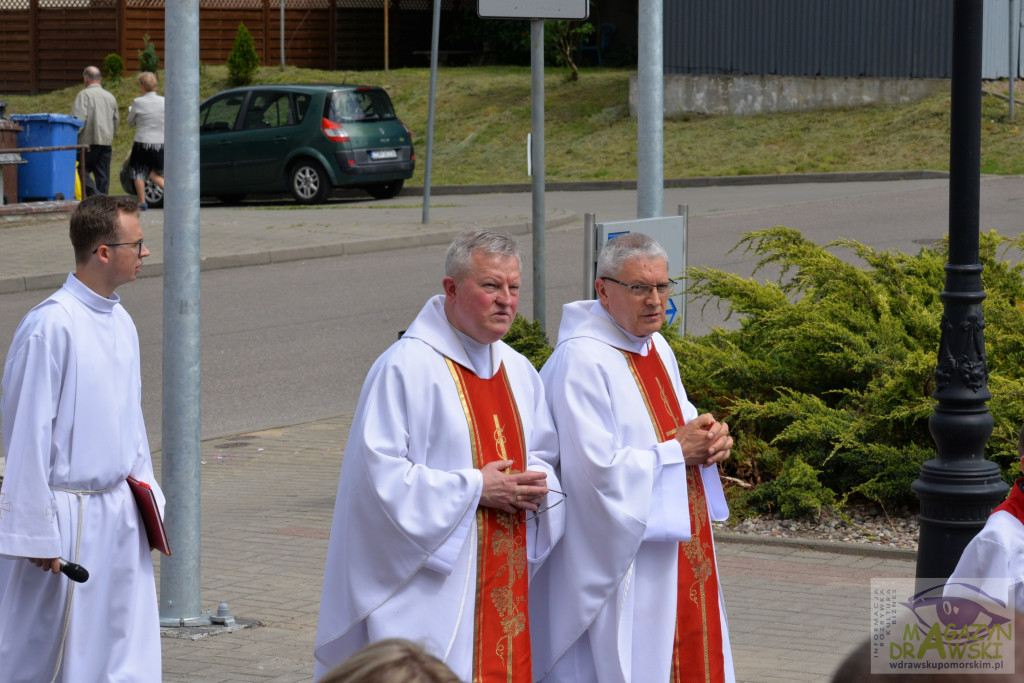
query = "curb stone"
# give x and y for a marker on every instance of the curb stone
(839, 547)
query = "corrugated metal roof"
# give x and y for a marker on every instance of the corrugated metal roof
(880, 38)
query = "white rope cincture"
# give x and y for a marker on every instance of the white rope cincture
(78, 546)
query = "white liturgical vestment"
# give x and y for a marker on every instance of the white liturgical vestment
(603, 606)
(993, 562)
(72, 431)
(401, 561)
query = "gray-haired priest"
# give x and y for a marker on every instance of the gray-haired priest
(447, 478)
(631, 593)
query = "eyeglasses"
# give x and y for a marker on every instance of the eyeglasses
(641, 291)
(121, 244)
(541, 511)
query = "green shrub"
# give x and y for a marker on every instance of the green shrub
(528, 339)
(562, 43)
(148, 61)
(833, 364)
(113, 67)
(243, 61)
(796, 492)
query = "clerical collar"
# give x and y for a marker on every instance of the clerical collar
(639, 344)
(479, 354)
(89, 297)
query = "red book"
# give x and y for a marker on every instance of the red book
(146, 500)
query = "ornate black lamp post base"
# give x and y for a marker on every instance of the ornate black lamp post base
(955, 502)
(959, 488)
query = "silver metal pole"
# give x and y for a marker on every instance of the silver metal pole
(281, 5)
(430, 111)
(537, 154)
(179, 574)
(589, 255)
(1014, 26)
(684, 211)
(650, 96)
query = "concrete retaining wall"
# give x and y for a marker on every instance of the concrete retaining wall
(747, 95)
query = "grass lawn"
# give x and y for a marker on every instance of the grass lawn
(483, 117)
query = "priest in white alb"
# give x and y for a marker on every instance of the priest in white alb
(72, 432)
(447, 494)
(631, 594)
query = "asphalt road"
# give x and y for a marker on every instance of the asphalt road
(289, 343)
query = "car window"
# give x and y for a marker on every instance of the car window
(268, 110)
(360, 105)
(301, 106)
(220, 114)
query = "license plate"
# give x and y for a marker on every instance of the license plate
(378, 154)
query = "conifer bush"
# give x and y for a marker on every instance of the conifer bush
(529, 339)
(796, 492)
(148, 60)
(832, 367)
(113, 67)
(243, 60)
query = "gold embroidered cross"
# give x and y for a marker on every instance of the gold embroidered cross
(499, 438)
(4, 507)
(51, 510)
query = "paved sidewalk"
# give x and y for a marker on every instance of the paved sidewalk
(267, 502)
(258, 233)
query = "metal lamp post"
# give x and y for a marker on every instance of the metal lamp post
(959, 488)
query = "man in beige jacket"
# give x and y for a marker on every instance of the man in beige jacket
(97, 109)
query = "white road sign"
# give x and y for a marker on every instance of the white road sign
(534, 9)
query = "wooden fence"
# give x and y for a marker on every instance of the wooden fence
(45, 44)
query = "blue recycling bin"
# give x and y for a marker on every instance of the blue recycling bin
(47, 175)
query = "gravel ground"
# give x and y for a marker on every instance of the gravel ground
(861, 524)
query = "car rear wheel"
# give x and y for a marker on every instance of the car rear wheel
(308, 182)
(154, 193)
(385, 190)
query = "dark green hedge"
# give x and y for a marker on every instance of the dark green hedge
(832, 367)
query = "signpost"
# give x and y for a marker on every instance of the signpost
(536, 11)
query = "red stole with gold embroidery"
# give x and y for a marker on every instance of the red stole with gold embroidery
(501, 639)
(697, 651)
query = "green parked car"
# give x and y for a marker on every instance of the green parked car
(303, 139)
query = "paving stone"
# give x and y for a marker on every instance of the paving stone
(794, 613)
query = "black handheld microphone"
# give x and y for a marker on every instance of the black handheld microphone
(75, 572)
